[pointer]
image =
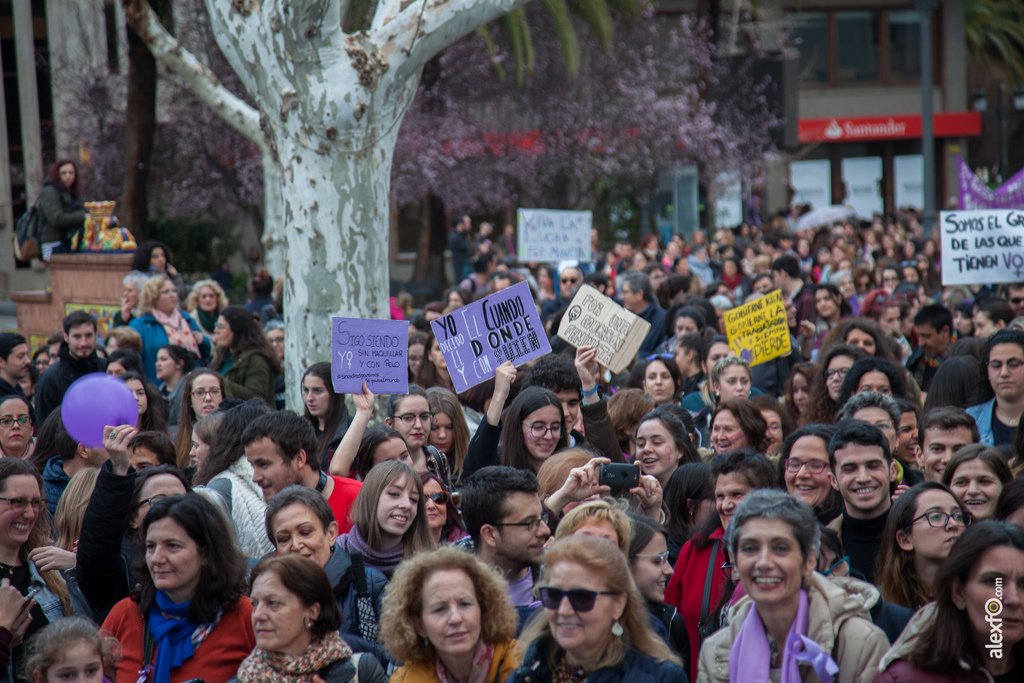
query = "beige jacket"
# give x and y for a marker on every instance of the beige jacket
(838, 620)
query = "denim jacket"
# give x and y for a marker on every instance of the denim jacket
(982, 414)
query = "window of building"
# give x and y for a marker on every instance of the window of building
(810, 34)
(866, 46)
(859, 46)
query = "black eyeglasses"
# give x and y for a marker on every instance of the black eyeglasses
(409, 419)
(829, 374)
(580, 599)
(8, 421)
(730, 571)
(939, 519)
(531, 526)
(439, 498)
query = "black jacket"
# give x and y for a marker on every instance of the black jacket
(8, 389)
(105, 552)
(55, 381)
(63, 214)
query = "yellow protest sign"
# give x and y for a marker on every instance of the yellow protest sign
(758, 331)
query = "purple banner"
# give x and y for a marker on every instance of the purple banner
(477, 338)
(374, 351)
(974, 194)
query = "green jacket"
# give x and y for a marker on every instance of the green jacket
(63, 214)
(250, 376)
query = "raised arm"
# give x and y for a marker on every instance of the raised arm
(345, 456)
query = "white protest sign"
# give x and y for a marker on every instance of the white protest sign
(982, 247)
(595, 320)
(548, 236)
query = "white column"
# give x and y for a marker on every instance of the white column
(28, 97)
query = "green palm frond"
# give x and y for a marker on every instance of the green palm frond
(492, 51)
(521, 44)
(599, 18)
(558, 10)
(994, 30)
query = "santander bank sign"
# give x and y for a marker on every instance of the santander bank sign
(861, 128)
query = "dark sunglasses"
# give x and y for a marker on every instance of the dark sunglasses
(580, 599)
(439, 498)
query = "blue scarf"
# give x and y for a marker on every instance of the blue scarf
(172, 630)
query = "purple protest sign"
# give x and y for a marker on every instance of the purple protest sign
(477, 338)
(974, 194)
(374, 351)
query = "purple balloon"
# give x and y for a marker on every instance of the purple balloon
(96, 401)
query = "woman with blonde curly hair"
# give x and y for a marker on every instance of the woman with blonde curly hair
(449, 591)
(204, 303)
(586, 582)
(162, 322)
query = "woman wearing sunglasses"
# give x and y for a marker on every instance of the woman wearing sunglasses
(774, 539)
(442, 516)
(300, 522)
(921, 529)
(595, 625)
(447, 616)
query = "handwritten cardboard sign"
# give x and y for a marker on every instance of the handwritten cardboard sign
(758, 331)
(595, 320)
(477, 338)
(982, 247)
(374, 351)
(549, 236)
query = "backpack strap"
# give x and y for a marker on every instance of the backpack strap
(705, 604)
(356, 659)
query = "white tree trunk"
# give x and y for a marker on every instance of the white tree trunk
(331, 108)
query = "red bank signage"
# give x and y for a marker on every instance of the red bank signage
(861, 128)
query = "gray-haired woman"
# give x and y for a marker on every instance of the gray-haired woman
(794, 624)
(132, 285)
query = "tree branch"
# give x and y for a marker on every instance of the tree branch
(205, 84)
(425, 27)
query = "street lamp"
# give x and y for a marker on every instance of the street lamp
(979, 100)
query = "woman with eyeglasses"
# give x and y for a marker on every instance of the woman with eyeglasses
(107, 550)
(24, 526)
(389, 518)
(955, 638)
(819, 629)
(1003, 363)
(448, 618)
(594, 625)
(244, 356)
(409, 414)
(836, 361)
(443, 516)
(161, 321)
(204, 390)
(805, 470)
(16, 440)
(977, 475)
(650, 565)
(922, 527)
(191, 598)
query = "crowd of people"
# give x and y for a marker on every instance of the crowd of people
(850, 511)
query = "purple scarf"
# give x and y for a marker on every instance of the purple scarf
(752, 655)
(384, 560)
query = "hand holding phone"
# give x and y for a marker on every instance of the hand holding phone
(619, 476)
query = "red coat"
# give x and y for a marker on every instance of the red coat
(685, 590)
(216, 659)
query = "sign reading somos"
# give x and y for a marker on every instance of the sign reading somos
(477, 338)
(758, 331)
(982, 247)
(548, 236)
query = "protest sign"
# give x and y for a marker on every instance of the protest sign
(374, 351)
(982, 247)
(477, 338)
(758, 331)
(548, 236)
(595, 320)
